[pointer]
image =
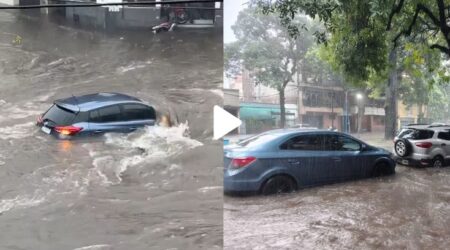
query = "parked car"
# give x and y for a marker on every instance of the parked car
(423, 145)
(281, 161)
(95, 114)
(303, 126)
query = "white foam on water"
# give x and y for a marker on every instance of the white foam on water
(20, 202)
(12, 112)
(152, 144)
(95, 247)
(133, 66)
(18, 131)
(207, 189)
(60, 61)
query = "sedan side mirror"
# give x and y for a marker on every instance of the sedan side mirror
(363, 147)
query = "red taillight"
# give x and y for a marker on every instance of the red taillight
(424, 144)
(67, 130)
(242, 161)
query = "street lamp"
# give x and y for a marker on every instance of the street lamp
(359, 96)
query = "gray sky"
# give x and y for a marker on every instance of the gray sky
(231, 10)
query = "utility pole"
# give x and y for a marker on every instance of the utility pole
(332, 109)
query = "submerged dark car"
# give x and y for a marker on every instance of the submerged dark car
(281, 161)
(96, 114)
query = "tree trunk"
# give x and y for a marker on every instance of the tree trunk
(361, 108)
(420, 117)
(390, 106)
(282, 110)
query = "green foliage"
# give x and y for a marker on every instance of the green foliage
(265, 48)
(439, 106)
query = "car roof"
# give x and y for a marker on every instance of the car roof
(429, 127)
(290, 131)
(94, 101)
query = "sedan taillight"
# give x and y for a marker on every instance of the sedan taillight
(241, 162)
(424, 144)
(67, 130)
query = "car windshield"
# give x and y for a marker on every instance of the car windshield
(59, 115)
(257, 140)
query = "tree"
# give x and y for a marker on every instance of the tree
(265, 48)
(366, 39)
(416, 19)
(423, 17)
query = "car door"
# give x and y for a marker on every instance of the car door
(304, 155)
(138, 115)
(345, 153)
(107, 119)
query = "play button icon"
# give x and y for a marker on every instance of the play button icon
(224, 122)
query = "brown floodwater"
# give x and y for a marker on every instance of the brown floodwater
(410, 210)
(157, 188)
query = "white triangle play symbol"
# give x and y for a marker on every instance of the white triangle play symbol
(224, 122)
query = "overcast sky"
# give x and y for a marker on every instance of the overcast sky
(231, 10)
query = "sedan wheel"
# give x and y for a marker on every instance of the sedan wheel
(382, 169)
(278, 185)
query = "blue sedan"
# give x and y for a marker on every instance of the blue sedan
(280, 161)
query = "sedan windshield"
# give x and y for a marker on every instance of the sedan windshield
(257, 140)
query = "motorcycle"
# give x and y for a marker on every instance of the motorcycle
(176, 15)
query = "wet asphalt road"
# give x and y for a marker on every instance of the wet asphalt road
(410, 210)
(158, 188)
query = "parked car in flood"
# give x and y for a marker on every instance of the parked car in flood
(95, 114)
(284, 160)
(423, 145)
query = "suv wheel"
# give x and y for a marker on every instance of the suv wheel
(277, 185)
(402, 147)
(438, 162)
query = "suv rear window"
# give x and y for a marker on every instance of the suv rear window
(59, 116)
(419, 134)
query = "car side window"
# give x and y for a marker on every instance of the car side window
(304, 142)
(444, 136)
(344, 143)
(138, 112)
(107, 114)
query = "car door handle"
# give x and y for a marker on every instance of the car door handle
(337, 158)
(443, 144)
(132, 128)
(98, 131)
(295, 162)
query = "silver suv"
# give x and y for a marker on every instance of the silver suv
(423, 145)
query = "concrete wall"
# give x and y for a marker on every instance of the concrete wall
(136, 17)
(87, 16)
(126, 17)
(9, 2)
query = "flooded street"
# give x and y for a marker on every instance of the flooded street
(410, 210)
(156, 188)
